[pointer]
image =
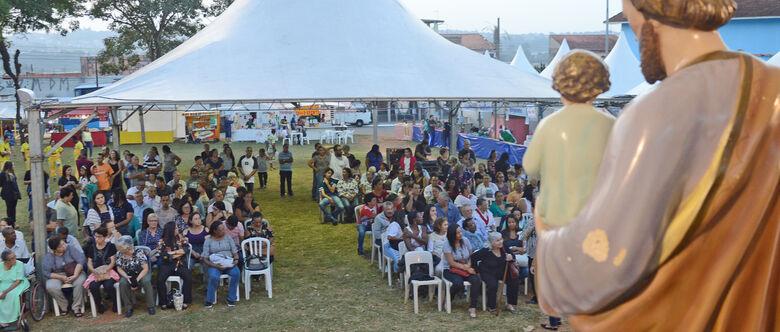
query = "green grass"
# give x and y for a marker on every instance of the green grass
(320, 283)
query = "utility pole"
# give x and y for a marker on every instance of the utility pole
(497, 37)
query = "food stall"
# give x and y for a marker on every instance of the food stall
(202, 125)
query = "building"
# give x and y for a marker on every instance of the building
(590, 42)
(755, 28)
(473, 41)
(88, 65)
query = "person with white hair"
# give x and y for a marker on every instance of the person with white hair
(491, 263)
(132, 266)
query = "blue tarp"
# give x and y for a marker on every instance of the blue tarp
(68, 123)
(480, 145)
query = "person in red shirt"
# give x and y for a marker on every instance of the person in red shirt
(366, 218)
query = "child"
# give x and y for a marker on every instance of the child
(263, 163)
(566, 150)
(270, 142)
(470, 233)
(383, 171)
(192, 182)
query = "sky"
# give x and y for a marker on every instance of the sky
(517, 16)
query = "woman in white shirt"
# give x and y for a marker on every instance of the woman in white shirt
(415, 235)
(393, 236)
(465, 197)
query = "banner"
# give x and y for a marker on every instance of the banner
(313, 110)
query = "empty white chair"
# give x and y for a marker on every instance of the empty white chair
(305, 140)
(420, 257)
(261, 247)
(326, 135)
(349, 134)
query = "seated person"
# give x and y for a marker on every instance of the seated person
(150, 235)
(173, 262)
(415, 235)
(196, 234)
(64, 233)
(260, 227)
(62, 267)
(235, 230)
(470, 233)
(132, 266)
(486, 189)
(100, 264)
(490, 263)
(366, 218)
(220, 254)
(15, 244)
(12, 283)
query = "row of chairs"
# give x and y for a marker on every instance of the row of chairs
(252, 246)
(385, 263)
(338, 136)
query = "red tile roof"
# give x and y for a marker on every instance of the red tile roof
(745, 9)
(593, 43)
(472, 41)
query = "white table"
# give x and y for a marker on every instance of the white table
(297, 135)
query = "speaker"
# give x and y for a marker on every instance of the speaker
(394, 156)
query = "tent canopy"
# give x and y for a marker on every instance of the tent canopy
(550, 69)
(624, 69)
(299, 50)
(520, 61)
(775, 60)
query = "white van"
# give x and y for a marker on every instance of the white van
(349, 115)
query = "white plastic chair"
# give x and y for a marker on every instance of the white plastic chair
(448, 295)
(93, 307)
(376, 247)
(287, 139)
(254, 246)
(420, 257)
(305, 140)
(227, 277)
(326, 136)
(368, 232)
(349, 134)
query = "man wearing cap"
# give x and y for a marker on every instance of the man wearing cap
(681, 230)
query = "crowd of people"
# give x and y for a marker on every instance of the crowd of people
(473, 217)
(115, 218)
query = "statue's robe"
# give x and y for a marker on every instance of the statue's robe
(682, 229)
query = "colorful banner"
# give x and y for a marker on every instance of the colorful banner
(313, 110)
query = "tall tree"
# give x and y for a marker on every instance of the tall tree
(21, 16)
(153, 27)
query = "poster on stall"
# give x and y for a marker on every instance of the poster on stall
(245, 121)
(203, 125)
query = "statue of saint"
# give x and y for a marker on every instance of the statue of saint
(567, 147)
(681, 231)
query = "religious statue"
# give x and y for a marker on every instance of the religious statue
(566, 150)
(681, 231)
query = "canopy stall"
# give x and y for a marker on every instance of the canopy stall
(624, 69)
(550, 69)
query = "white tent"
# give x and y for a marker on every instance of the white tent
(520, 61)
(640, 89)
(625, 72)
(550, 69)
(487, 54)
(302, 50)
(775, 60)
(8, 110)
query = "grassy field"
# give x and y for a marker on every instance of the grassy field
(320, 283)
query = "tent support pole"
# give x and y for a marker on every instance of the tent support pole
(143, 129)
(453, 128)
(115, 124)
(374, 122)
(495, 120)
(38, 186)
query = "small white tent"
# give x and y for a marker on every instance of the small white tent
(775, 60)
(277, 51)
(520, 61)
(550, 69)
(640, 89)
(625, 72)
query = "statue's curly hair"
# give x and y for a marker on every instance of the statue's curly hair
(581, 76)
(705, 15)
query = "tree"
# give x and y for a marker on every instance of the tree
(21, 16)
(151, 26)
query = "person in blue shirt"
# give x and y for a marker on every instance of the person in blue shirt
(445, 208)
(374, 157)
(285, 169)
(470, 233)
(329, 195)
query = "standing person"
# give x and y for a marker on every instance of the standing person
(285, 169)
(270, 143)
(467, 151)
(68, 180)
(228, 158)
(55, 160)
(66, 214)
(263, 164)
(441, 161)
(118, 167)
(502, 165)
(319, 163)
(338, 162)
(206, 153)
(491, 163)
(247, 168)
(374, 157)
(10, 191)
(77, 147)
(83, 161)
(25, 149)
(5, 151)
(170, 162)
(216, 164)
(86, 137)
(122, 210)
(431, 130)
(152, 161)
(408, 161)
(104, 174)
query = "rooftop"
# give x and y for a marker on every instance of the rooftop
(745, 9)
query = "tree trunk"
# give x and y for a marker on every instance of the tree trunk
(14, 75)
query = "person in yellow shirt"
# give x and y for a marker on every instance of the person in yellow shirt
(55, 160)
(25, 149)
(77, 147)
(5, 151)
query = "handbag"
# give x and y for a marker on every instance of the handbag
(522, 260)
(460, 272)
(255, 263)
(70, 268)
(514, 270)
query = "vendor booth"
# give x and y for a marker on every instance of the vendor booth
(202, 126)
